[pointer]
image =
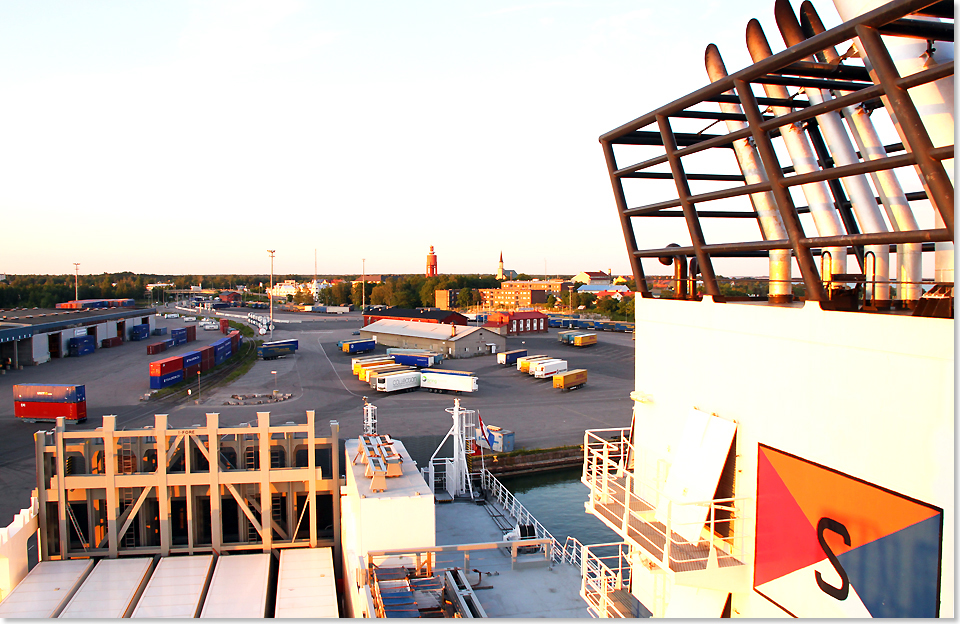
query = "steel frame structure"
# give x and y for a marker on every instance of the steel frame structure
(114, 473)
(876, 84)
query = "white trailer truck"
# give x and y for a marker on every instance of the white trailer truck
(400, 381)
(547, 368)
(443, 382)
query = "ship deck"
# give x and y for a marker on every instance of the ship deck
(533, 590)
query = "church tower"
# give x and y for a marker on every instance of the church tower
(431, 263)
(500, 275)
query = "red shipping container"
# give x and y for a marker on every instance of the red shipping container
(191, 333)
(157, 347)
(190, 372)
(206, 365)
(167, 365)
(224, 326)
(35, 410)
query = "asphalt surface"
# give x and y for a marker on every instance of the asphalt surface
(319, 378)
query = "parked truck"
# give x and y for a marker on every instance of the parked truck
(277, 348)
(584, 340)
(359, 366)
(507, 358)
(547, 368)
(571, 379)
(442, 382)
(425, 359)
(359, 346)
(400, 381)
(373, 376)
(523, 363)
(366, 372)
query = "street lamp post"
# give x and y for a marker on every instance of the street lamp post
(274, 373)
(363, 286)
(199, 396)
(271, 252)
(76, 281)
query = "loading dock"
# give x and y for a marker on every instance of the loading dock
(44, 592)
(238, 588)
(111, 590)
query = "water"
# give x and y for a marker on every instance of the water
(556, 499)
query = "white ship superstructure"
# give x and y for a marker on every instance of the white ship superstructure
(791, 454)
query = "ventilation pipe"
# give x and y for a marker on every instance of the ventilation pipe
(899, 214)
(804, 161)
(771, 226)
(935, 99)
(841, 148)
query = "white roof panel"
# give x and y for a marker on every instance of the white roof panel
(417, 329)
(111, 590)
(175, 588)
(238, 588)
(46, 589)
(306, 587)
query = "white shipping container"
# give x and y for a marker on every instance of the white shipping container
(442, 381)
(548, 368)
(112, 589)
(398, 381)
(44, 592)
(238, 588)
(306, 585)
(175, 588)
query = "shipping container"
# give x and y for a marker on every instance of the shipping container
(450, 371)
(373, 376)
(155, 348)
(176, 588)
(571, 379)
(169, 342)
(45, 591)
(584, 340)
(306, 584)
(502, 439)
(166, 365)
(523, 362)
(238, 588)
(106, 343)
(363, 358)
(364, 374)
(435, 381)
(273, 350)
(111, 590)
(224, 326)
(510, 357)
(160, 331)
(561, 335)
(420, 360)
(398, 381)
(547, 368)
(190, 358)
(162, 381)
(190, 372)
(359, 346)
(383, 359)
(191, 333)
(50, 393)
(34, 411)
(139, 332)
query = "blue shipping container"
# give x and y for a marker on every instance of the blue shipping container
(169, 342)
(169, 379)
(190, 358)
(49, 393)
(219, 358)
(268, 351)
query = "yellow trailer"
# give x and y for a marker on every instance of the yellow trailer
(361, 365)
(568, 380)
(584, 340)
(523, 364)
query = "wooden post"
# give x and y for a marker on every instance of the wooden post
(163, 492)
(110, 469)
(216, 521)
(266, 498)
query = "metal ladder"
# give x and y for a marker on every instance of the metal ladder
(276, 509)
(252, 535)
(126, 501)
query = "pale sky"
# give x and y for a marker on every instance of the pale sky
(190, 137)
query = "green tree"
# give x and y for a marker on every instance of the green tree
(303, 297)
(465, 297)
(551, 302)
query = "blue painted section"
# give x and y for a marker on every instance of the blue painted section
(169, 379)
(898, 575)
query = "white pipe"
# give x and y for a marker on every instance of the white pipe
(892, 197)
(804, 161)
(779, 286)
(934, 102)
(841, 148)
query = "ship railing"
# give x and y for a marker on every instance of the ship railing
(569, 552)
(627, 493)
(606, 577)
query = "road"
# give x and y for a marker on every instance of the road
(319, 379)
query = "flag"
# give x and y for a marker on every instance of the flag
(484, 436)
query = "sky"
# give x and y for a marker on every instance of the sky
(189, 137)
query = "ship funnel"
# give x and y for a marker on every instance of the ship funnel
(819, 201)
(771, 225)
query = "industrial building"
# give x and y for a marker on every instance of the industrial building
(522, 322)
(34, 336)
(518, 294)
(422, 315)
(453, 341)
(446, 298)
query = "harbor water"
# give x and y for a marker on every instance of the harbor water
(556, 499)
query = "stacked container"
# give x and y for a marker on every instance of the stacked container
(224, 326)
(235, 338)
(191, 332)
(191, 364)
(82, 345)
(206, 358)
(166, 372)
(48, 401)
(139, 332)
(222, 349)
(179, 335)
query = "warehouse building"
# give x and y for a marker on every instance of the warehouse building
(514, 323)
(446, 298)
(34, 336)
(453, 341)
(423, 315)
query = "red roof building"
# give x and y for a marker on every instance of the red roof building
(525, 322)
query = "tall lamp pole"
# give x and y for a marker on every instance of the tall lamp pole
(271, 252)
(76, 281)
(363, 286)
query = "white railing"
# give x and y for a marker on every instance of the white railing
(604, 574)
(569, 552)
(627, 493)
